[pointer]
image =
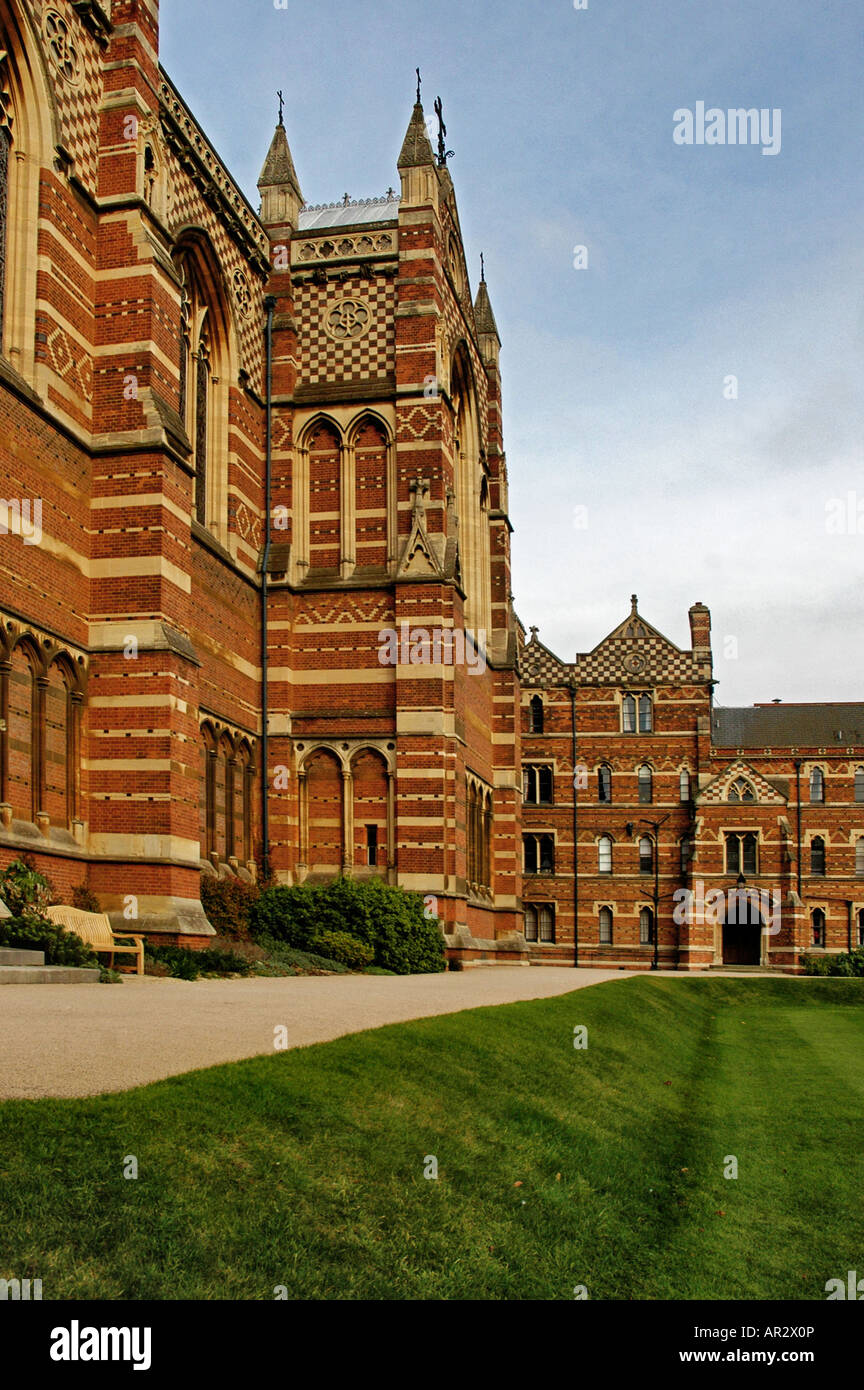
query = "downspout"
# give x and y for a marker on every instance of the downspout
(798, 818)
(849, 911)
(269, 305)
(575, 832)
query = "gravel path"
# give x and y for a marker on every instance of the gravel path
(80, 1040)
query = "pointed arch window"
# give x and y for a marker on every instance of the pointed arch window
(5, 157)
(646, 784)
(605, 926)
(684, 784)
(604, 783)
(818, 924)
(202, 421)
(628, 714)
(859, 784)
(536, 715)
(646, 927)
(741, 790)
(646, 719)
(859, 858)
(203, 362)
(817, 855)
(604, 855)
(817, 785)
(861, 926)
(646, 855)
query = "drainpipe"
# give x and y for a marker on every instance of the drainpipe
(849, 925)
(269, 305)
(798, 816)
(575, 832)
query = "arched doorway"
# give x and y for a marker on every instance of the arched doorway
(742, 924)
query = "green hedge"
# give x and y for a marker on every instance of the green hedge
(845, 963)
(35, 934)
(390, 920)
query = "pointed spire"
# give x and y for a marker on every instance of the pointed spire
(416, 149)
(483, 315)
(281, 198)
(279, 171)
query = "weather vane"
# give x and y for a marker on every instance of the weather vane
(281, 106)
(443, 153)
(419, 80)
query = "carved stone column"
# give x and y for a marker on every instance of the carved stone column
(347, 822)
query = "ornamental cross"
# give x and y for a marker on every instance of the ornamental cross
(419, 82)
(281, 106)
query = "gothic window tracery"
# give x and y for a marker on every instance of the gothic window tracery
(741, 790)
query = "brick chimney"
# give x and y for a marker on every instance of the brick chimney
(700, 635)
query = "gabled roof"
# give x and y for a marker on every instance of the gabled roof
(832, 726)
(717, 789)
(636, 651)
(540, 666)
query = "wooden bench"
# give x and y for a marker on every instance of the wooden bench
(95, 929)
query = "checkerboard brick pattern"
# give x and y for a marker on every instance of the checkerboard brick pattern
(371, 354)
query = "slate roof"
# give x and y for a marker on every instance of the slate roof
(353, 214)
(789, 726)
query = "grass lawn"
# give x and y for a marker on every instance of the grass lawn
(306, 1169)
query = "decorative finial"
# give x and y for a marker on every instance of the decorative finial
(346, 200)
(534, 630)
(419, 83)
(482, 268)
(633, 605)
(443, 153)
(281, 107)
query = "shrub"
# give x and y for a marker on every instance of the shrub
(287, 914)
(36, 934)
(178, 960)
(282, 957)
(844, 963)
(338, 945)
(84, 900)
(228, 903)
(390, 920)
(183, 964)
(25, 891)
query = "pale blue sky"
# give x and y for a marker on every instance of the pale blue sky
(704, 262)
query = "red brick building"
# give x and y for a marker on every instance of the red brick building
(255, 594)
(702, 835)
(175, 367)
